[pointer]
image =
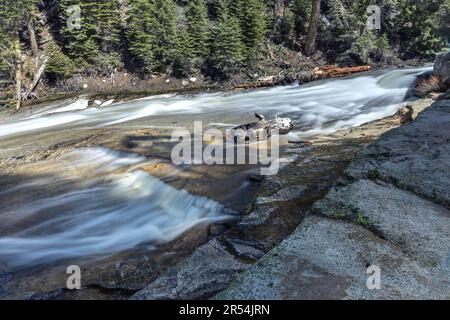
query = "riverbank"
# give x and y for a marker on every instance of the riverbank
(282, 203)
(389, 212)
(125, 87)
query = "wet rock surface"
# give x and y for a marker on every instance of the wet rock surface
(390, 210)
(271, 207)
(121, 275)
(327, 259)
(196, 277)
(415, 157)
(281, 204)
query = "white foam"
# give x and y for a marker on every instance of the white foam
(113, 213)
(321, 104)
(80, 104)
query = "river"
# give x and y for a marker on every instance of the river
(92, 201)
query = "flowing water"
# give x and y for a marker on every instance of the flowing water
(102, 203)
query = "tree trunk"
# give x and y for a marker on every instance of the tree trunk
(18, 73)
(310, 46)
(33, 40)
(37, 77)
(344, 15)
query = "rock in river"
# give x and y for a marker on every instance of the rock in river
(442, 67)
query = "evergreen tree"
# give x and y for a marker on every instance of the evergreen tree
(9, 14)
(253, 25)
(152, 36)
(98, 36)
(225, 44)
(59, 66)
(197, 28)
(14, 16)
(166, 33)
(301, 10)
(416, 30)
(182, 62)
(283, 24)
(314, 20)
(236, 9)
(141, 36)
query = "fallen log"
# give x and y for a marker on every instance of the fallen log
(36, 78)
(261, 130)
(322, 72)
(334, 71)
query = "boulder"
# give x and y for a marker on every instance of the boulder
(415, 157)
(418, 227)
(328, 259)
(207, 271)
(442, 67)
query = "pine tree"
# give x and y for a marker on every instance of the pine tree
(301, 10)
(141, 37)
(253, 27)
(225, 44)
(197, 28)
(59, 66)
(336, 14)
(97, 37)
(9, 14)
(314, 21)
(416, 30)
(182, 63)
(236, 9)
(283, 25)
(166, 33)
(152, 36)
(13, 20)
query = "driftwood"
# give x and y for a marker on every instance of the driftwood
(261, 129)
(327, 71)
(333, 71)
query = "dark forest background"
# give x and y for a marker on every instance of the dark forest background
(213, 38)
